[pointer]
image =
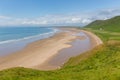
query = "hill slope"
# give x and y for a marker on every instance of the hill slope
(102, 63)
(112, 24)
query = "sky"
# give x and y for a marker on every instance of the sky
(56, 12)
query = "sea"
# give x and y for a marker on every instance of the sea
(13, 39)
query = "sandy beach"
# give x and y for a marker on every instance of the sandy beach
(37, 53)
(95, 40)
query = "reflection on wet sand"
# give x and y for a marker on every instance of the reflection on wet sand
(80, 45)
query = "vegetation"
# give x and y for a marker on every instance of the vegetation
(112, 25)
(101, 63)
(106, 36)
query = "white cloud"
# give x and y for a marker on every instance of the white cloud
(79, 19)
(4, 17)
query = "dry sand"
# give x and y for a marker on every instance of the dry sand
(38, 52)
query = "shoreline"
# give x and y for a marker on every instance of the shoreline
(94, 38)
(38, 52)
(15, 45)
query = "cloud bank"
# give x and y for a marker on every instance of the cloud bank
(57, 20)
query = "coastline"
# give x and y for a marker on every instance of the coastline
(13, 45)
(37, 53)
(94, 39)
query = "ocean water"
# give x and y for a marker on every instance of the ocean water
(13, 39)
(8, 34)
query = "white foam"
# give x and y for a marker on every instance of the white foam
(40, 36)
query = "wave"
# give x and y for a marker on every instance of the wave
(34, 38)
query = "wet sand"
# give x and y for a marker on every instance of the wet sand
(84, 42)
(51, 53)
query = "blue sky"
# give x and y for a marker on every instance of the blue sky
(61, 12)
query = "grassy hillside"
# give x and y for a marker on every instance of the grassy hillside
(112, 24)
(101, 63)
(106, 36)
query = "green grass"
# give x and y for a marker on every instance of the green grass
(112, 24)
(105, 35)
(102, 63)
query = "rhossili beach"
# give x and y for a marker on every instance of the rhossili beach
(59, 39)
(52, 52)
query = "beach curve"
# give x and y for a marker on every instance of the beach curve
(38, 52)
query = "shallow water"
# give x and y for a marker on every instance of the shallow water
(18, 43)
(8, 34)
(78, 47)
